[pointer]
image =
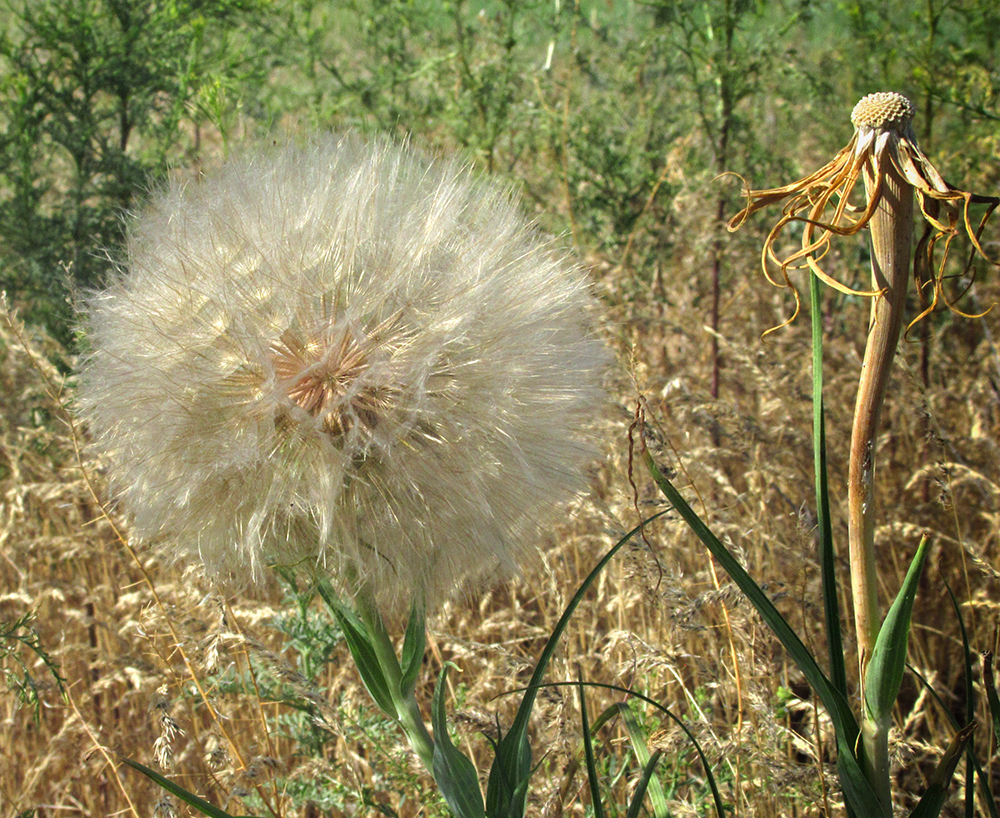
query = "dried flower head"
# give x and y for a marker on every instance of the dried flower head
(342, 356)
(883, 136)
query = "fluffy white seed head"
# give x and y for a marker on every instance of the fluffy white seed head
(347, 358)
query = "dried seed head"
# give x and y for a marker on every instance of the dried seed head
(883, 111)
(883, 139)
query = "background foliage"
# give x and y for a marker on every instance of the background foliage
(613, 119)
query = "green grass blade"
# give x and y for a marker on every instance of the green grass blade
(360, 645)
(639, 746)
(991, 694)
(858, 791)
(984, 780)
(827, 555)
(189, 798)
(970, 701)
(454, 773)
(637, 740)
(884, 674)
(713, 786)
(588, 754)
(994, 704)
(648, 775)
(511, 770)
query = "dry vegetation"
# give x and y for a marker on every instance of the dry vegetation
(252, 703)
(152, 654)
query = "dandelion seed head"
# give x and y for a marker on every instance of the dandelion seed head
(347, 358)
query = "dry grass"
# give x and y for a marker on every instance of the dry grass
(150, 651)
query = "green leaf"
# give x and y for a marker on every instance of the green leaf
(991, 693)
(189, 798)
(413, 650)
(454, 773)
(858, 792)
(936, 794)
(994, 704)
(639, 746)
(885, 669)
(588, 754)
(360, 644)
(970, 704)
(648, 772)
(984, 779)
(824, 529)
(713, 786)
(511, 770)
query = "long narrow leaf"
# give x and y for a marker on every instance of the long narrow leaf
(639, 746)
(885, 671)
(414, 644)
(365, 657)
(931, 802)
(994, 704)
(970, 700)
(648, 775)
(588, 754)
(984, 779)
(991, 693)
(824, 529)
(189, 798)
(511, 770)
(713, 786)
(858, 791)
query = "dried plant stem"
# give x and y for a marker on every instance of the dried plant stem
(891, 234)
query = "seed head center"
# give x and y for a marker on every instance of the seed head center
(320, 376)
(883, 111)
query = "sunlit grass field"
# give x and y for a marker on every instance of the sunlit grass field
(611, 121)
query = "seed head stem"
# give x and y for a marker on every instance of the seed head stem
(891, 237)
(407, 710)
(891, 229)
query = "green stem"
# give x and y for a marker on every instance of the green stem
(407, 709)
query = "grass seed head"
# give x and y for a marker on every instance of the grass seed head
(344, 357)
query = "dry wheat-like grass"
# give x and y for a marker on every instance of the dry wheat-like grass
(655, 621)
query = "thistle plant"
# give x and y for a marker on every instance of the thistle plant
(883, 152)
(347, 361)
